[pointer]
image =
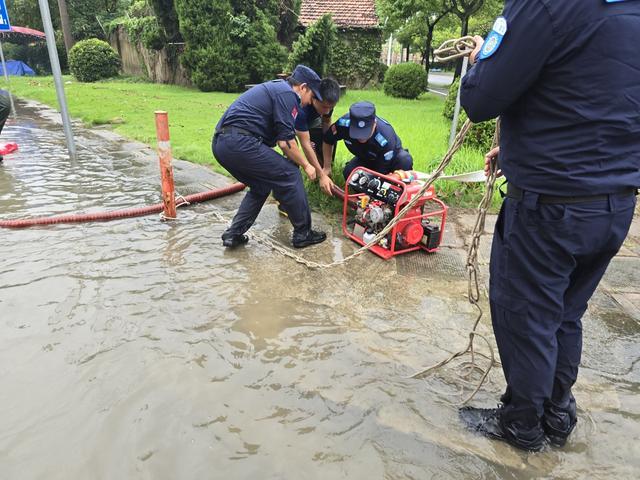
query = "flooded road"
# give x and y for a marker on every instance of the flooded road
(141, 349)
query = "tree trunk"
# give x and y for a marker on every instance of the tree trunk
(66, 25)
(408, 48)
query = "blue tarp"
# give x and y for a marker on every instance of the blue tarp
(17, 67)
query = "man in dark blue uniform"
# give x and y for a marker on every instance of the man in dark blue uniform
(369, 138)
(311, 124)
(565, 79)
(243, 144)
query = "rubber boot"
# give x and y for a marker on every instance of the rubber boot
(495, 423)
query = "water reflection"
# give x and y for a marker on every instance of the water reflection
(141, 349)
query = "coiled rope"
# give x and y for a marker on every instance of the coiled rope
(455, 48)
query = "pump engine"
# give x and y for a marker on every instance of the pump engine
(372, 200)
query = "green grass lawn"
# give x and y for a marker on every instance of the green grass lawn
(128, 106)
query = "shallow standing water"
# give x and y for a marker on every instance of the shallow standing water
(142, 349)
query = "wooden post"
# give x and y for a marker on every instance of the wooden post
(166, 170)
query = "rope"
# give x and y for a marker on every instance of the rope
(473, 292)
(455, 48)
(434, 176)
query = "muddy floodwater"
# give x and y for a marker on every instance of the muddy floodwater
(140, 349)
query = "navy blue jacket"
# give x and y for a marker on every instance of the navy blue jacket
(566, 82)
(383, 145)
(268, 110)
(308, 118)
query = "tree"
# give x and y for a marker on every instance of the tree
(464, 9)
(414, 22)
(165, 11)
(314, 48)
(229, 43)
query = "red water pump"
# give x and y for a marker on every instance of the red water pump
(372, 200)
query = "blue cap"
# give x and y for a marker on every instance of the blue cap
(304, 74)
(363, 116)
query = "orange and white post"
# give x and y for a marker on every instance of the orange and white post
(166, 170)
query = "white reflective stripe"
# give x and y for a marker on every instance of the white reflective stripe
(164, 145)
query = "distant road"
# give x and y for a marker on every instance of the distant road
(439, 82)
(440, 79)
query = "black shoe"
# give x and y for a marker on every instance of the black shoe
(557, 425)
(489, 422)
(310, 238)
(235, 240)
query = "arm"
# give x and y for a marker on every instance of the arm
(497, 81)
(307, 148)
(286, 109)
(323, 178)
(292, 152)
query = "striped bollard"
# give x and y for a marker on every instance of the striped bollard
(166, 170)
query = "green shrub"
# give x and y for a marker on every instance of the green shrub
(93, 59)
(450, 101)
(407, 80)
(314, 48)
(382, 71)
(355, 57)
(480, 135)
(228, 44)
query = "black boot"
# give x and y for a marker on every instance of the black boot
(301, 240)
(234, 240)
(558, 425)
(491, 423)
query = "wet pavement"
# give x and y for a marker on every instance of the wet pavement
(142, 349)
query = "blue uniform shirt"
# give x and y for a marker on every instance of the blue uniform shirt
(566, 82)
(308, 118)
(268, 110)
(383, 145)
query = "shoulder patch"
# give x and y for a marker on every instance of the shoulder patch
(294, 112)
(381, 139)
(344, 122)
(389, 155)
(494, 39)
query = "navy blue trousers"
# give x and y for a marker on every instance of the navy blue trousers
(264, 171)
(546, 262)
(402, 161)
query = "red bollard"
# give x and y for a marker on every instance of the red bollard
(166, 170)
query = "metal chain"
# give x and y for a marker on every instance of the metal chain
(455, 48)
(473, 291)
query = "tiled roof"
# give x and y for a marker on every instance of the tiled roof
(345, 13)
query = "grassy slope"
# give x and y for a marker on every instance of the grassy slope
(129, 105)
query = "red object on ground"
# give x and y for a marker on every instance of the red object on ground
(7, 148)
(371, 200)
(116, 214)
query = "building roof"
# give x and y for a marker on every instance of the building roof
(345, 13)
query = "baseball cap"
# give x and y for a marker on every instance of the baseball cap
(304, 74)
(362, 115)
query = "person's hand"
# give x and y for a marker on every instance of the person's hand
(310, 171)
(327, 171)
(326, 183)
(479, 42)
(492, 156)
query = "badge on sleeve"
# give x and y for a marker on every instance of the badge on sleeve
(294, 112)
(381, 140)
(494, 39)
